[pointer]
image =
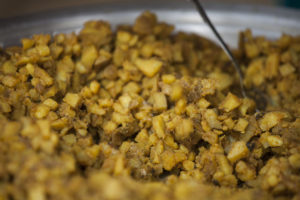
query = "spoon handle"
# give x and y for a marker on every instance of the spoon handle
(222, 43)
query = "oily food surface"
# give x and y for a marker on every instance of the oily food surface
(143, 113)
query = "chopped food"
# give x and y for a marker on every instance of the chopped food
(146, 113)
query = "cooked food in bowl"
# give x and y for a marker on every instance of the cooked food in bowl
(145, 113)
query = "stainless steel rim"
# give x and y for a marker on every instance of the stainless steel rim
(229, 19)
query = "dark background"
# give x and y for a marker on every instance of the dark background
(11, 8)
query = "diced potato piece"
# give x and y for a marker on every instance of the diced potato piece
(224, 164)
(30, 68)
(27, 43)
(252, 50)
(241, 125)
(88, 57)
(131, 87)
(51, 103)
(274, 140)
(109, 126)
(41, 111)
(69, 139)
(96, 109)
(147, 50)
(180, 106)
(229, 123)
(294, 160)
(176, 92)
(103, 59)
(94, 86)
(149, 67)
(9, 68)
(263, 139)
(272, 64)
(230, 103)
(244, 172)
(159, 101)
(238, 151)
(168, 160)
(203, 103)
(270, 120)
(223, 80)
(286, 69)
(72, 99)
(210, 137)
(142, 137)
(247, 106)
(254, 73)
(212, 119)
(184, 129)
(45, 78)
(168, 78)
(123, 37)
(9, 81)
(188, 165)
(59, 123)
(4, 106)
(43, 50)
(159, 126)
(125, 101)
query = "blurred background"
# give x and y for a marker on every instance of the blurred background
(11, 8)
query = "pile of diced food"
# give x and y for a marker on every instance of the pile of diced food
(146, 113)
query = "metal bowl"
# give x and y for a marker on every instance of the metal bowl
(229, 19)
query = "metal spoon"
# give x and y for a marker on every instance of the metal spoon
(259, 97)
(222, 43)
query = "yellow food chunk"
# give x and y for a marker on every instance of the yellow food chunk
(224, 164)
(41, 111)
(241, 125)
(43, 50)
(27, 43)
(212, 119)
(238, 151)
(252, 50)
(274, 140)
(8, 68)
(9, 81)
(72, 99)
(88, 57)
(176, 92)
(286, 69)
(159, 101)
(142, 137)
(254, 73)
(51, 103)
(203, 103)
(96, 109)
(294, 160)
(223, 80)
(159, 126)
(270, 120)
(149, 67)
(94, 86)
(123, 37)
(188, 165)
(180, 106)
(244, 172)
(168, 78)
(272, 64)
(168, 160)
(184, 129)
(230, 103)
